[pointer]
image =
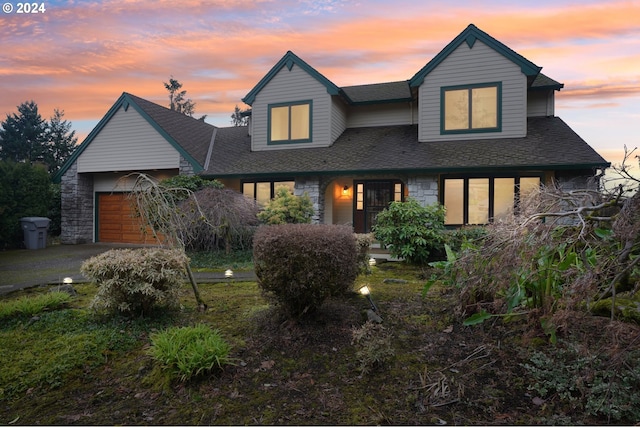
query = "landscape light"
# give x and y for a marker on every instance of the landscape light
(372, 261)
(228, 274)
(366, 292)
(67, 280)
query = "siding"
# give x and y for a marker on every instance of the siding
(540, 103)
(291, 86)
(338, 118)
(380, 115)
(470, 66)
(128, 142)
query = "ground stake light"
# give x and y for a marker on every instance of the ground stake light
(366, 292)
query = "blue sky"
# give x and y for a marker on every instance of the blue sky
(79, 56)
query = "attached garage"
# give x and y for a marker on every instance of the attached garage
(116, 221)
(134, 136)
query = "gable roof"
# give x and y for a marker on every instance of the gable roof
(550, 144)
(289, 60)
(190, 137)
(470, 35)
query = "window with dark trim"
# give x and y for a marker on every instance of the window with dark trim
(471, 108)
(290, 122)
(264, 191)
(480, 200)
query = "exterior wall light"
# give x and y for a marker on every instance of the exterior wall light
(366, 292)
(345, 190)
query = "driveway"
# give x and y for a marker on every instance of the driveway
(24, 268)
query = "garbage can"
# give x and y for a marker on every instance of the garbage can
(35, 231)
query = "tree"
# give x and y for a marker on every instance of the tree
(26, 137)
(239, 117)
(61, 141)
(177, 98)
(23, 135)
(25, 191)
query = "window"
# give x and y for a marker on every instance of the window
(290, 123)
(473, 108)
(264, 191)
(479, 200)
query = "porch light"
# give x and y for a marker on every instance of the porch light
(345, 190)
(366, 292)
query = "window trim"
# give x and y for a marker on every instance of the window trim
(491, 196)
(273, 185)
(308, 102)
(470, 87)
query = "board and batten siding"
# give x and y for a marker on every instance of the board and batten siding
(467, 66)
(292, 86)
(128, 142)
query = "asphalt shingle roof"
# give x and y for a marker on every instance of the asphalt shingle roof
(550, 144)
(193, 135)
(391, 91)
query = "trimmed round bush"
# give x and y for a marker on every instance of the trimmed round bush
(301, 265)
(135, 281)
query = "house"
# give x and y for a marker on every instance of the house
(474, 129)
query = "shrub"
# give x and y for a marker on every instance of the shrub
(135, 281)
(25, 190)
(189, 351)
(285, 208)
(363, 244)
(301, 265)
(225, 219)
(373, 346)
(411, 231)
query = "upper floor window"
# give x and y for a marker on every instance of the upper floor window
(290, 122)
(474, 108)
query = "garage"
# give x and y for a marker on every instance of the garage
(116, 223)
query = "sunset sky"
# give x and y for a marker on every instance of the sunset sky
(79, 56)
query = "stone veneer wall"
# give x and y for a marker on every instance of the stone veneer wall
(311, 186)
(77, 207)
(424, 189)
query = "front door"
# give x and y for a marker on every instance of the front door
(371, 198)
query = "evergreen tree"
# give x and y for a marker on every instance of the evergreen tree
(239, 118)
(61, 141)
(177, 98)
(23, 135)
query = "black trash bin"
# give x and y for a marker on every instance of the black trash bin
(35, 231)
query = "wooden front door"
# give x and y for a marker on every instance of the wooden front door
(371, 198)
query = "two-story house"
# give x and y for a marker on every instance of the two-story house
(474, 129)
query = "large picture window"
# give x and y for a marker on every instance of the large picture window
(471, 200)
(264, 191)
(473, 108)
(290, 123)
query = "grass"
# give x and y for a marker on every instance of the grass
(220, 260)
(71, 367)
(30, 306)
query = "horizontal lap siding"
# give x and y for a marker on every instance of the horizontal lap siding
(466, 66)
(390, 114)
(292, 86)
(128, 142)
